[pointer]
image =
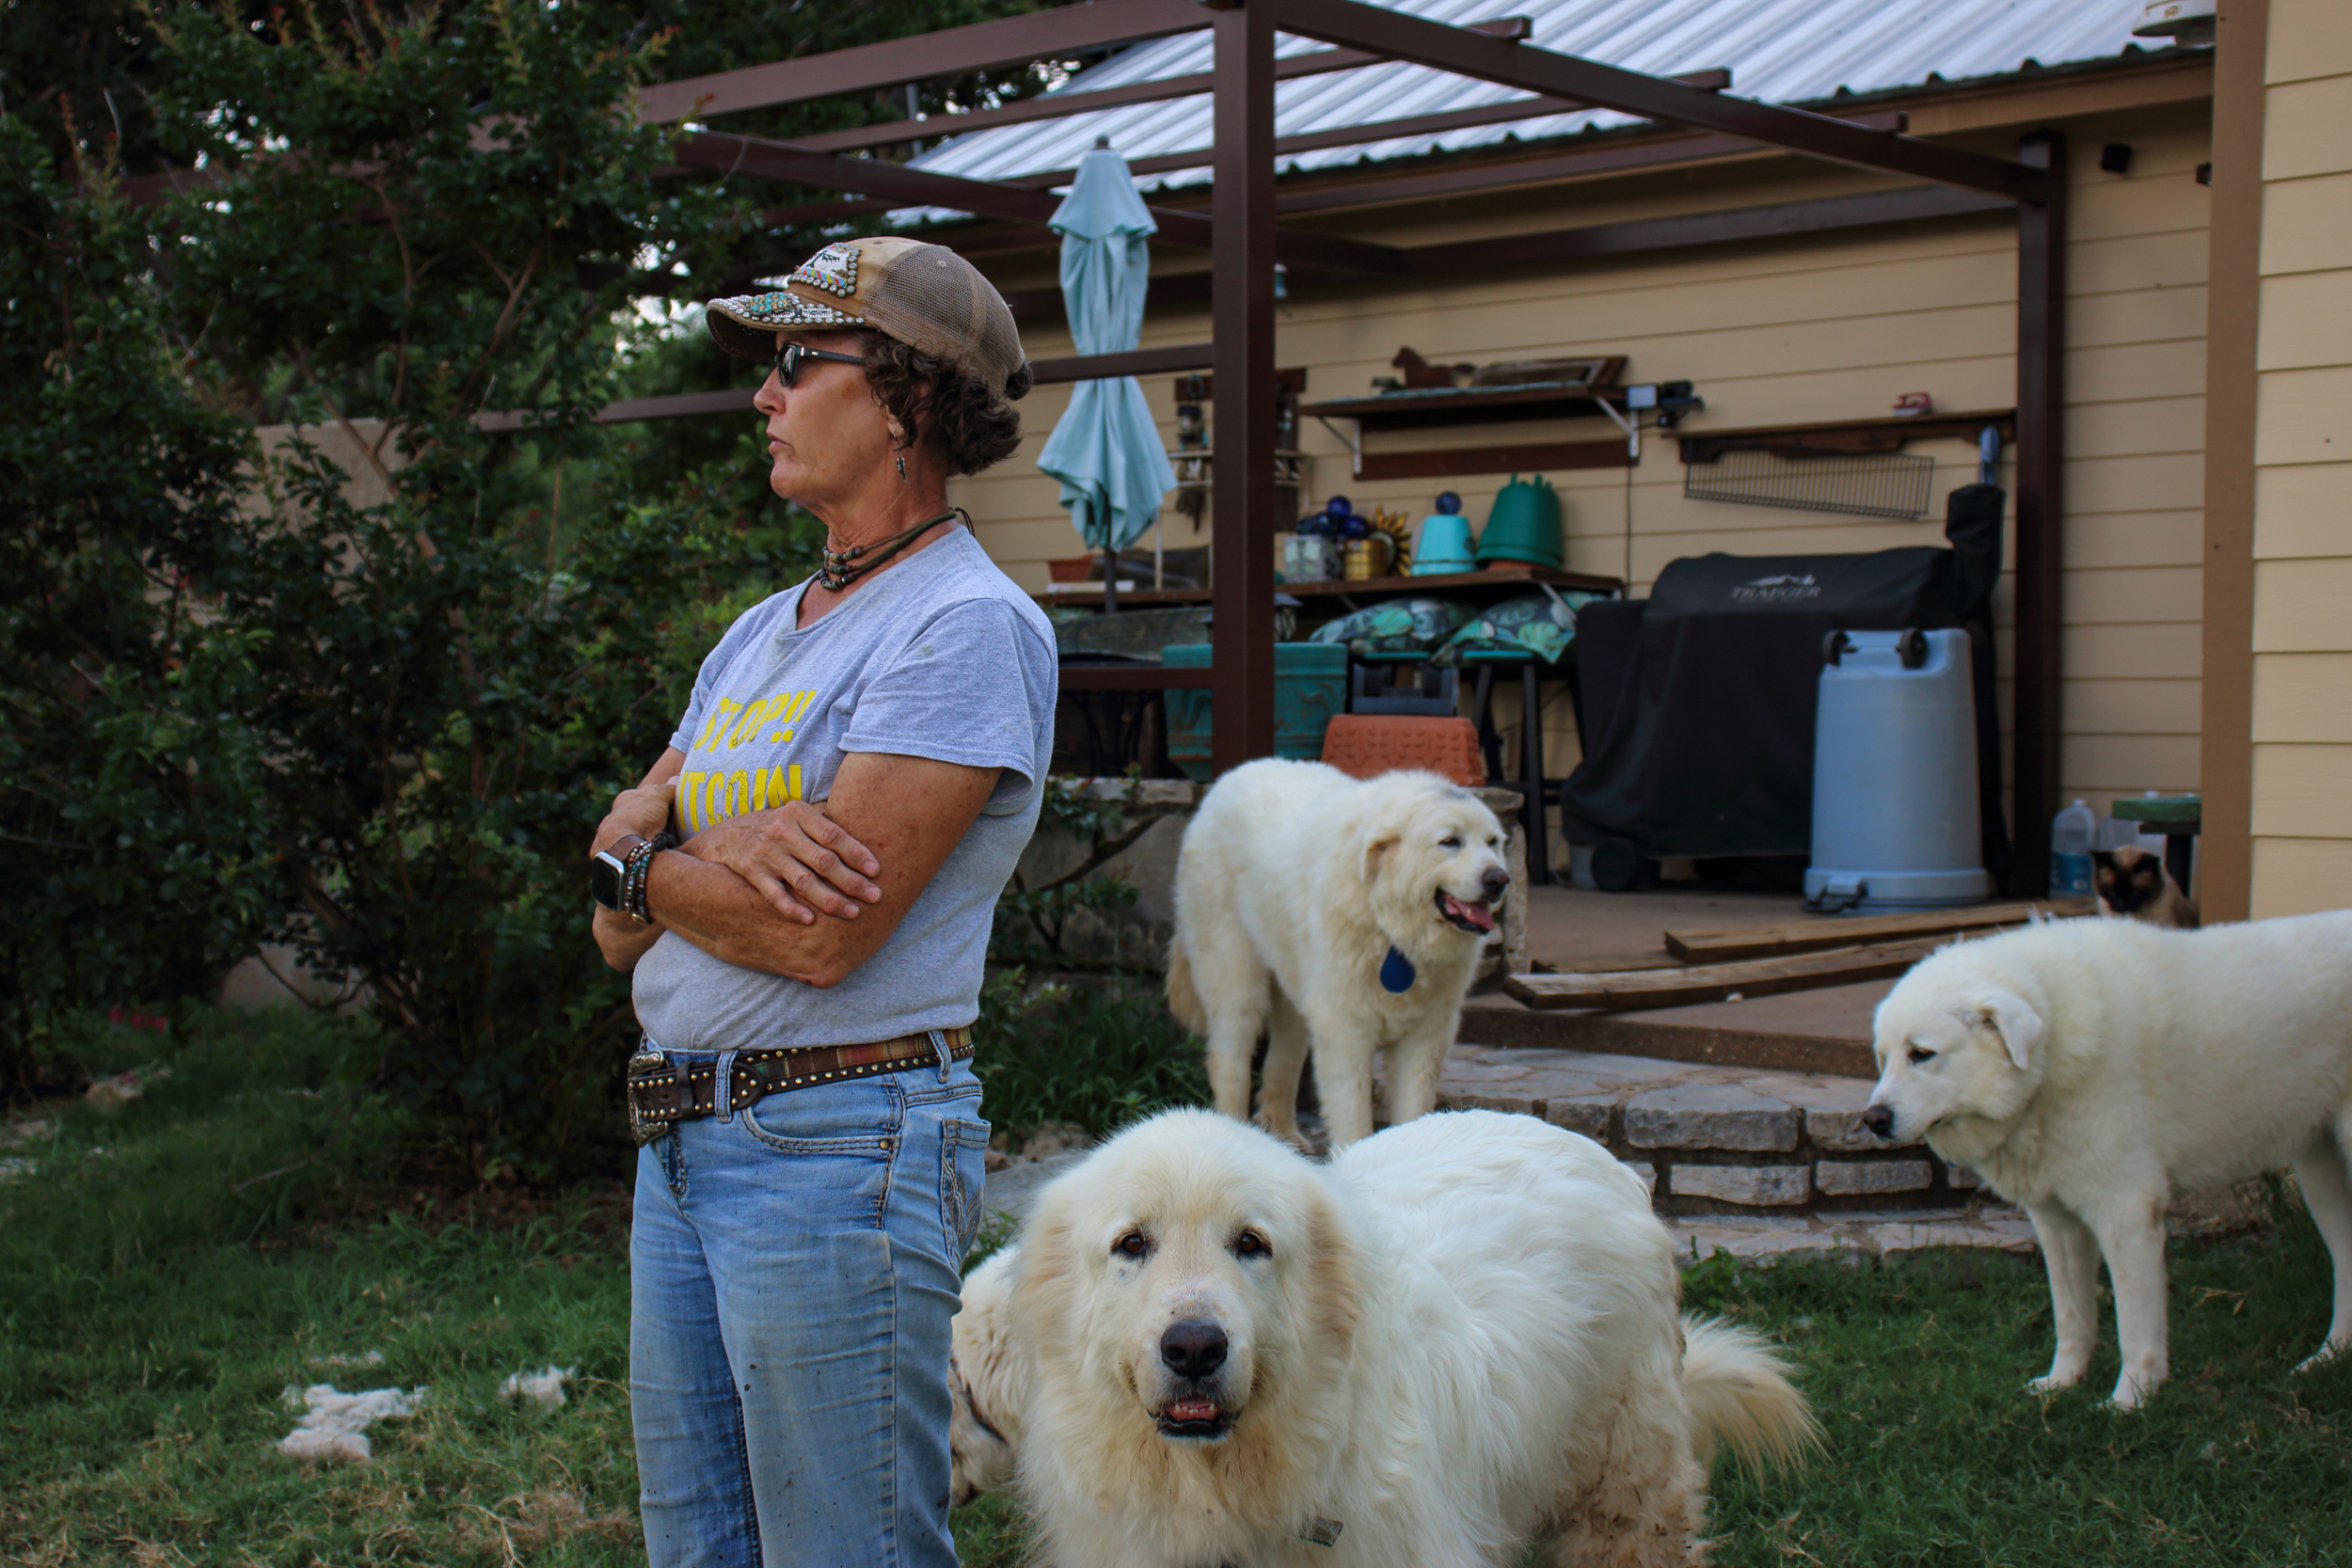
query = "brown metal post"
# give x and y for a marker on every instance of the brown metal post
(1242, 328)
(2225, 766)
(2041, 458)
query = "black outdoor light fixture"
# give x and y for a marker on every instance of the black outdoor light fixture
(2116, 157)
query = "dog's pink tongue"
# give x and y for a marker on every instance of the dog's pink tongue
(1193, 1410)
(1480, 915)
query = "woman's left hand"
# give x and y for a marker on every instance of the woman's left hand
(643, 811)
(793, 850)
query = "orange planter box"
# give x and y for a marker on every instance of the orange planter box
(1363, 744)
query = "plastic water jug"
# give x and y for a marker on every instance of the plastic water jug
(2073, 833)
(1895, 820)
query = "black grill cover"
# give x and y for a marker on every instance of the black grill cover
(1701, 741)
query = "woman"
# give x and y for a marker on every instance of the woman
(855, 775)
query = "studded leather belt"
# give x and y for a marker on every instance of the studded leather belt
(663, 1093)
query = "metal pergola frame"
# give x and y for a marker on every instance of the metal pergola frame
(1246, 242)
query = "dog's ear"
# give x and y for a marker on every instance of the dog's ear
(1379, 847)
(2102, 859)
(1332, 1278)
(1037, 1306)
(2017, 1024)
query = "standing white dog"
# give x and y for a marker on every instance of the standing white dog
(2090, 1069)
(1339, 915)
(1457, 1339)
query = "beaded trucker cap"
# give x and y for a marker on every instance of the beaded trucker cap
(924, 295)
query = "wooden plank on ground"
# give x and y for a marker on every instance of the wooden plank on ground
(1678, 987)
(1734, 944)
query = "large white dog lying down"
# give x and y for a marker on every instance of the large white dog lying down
(2093, 1068)
(1458, 1338)
(1335, 913)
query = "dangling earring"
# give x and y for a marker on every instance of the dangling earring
(901, 461)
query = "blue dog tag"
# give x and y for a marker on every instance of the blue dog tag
(1396, 973)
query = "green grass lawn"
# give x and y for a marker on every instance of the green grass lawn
(150, 1314)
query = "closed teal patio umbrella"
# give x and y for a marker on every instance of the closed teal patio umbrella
(1107, 451)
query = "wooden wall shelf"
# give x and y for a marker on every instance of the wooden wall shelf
(1527, 457)
(1850, 436)
(1466, 406)
(1489, 583)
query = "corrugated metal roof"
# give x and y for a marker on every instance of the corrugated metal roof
(1779, 51)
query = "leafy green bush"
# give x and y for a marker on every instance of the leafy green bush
(1077, 1055)
(445, 704)
(138, 861)
(365, 684)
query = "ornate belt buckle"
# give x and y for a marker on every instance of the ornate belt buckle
(647, 1062)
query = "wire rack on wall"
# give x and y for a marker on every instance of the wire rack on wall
(1863, 484)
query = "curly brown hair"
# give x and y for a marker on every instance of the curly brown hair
(957, 415)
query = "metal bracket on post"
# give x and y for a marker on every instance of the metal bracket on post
(1632, 427)
(1355, 445)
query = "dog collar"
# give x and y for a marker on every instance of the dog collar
(1396, 973)
(1324, 1532)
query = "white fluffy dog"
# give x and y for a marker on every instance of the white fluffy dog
(1457, 1339)
(988, 1381)
(2090, 1069)
(1335, 913)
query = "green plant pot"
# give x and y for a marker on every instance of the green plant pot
(1524, 526)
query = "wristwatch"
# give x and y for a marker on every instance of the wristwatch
(608, 873)
(617, 876)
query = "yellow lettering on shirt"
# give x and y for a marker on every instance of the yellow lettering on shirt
(719, 716)
(767, 788)
(748, 725)
(788, 710)
(796, 781)
(738, 794)
(689, 801)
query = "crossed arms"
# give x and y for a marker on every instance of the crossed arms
(802, 890)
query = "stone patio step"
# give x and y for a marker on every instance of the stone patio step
(1712, 1137)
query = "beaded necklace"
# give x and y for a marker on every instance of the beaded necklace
(837, 573)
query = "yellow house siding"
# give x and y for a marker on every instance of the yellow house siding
(2297, 875)
(2303, 697)
(2302, 709)
(2308, 38)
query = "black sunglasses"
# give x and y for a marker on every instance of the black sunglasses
(792, 356)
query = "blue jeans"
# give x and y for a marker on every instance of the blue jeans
(792, 1269)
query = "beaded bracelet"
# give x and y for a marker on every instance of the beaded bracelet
(637, 871)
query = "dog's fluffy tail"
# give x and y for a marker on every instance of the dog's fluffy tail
(1741, 1396)
(1182, 1000)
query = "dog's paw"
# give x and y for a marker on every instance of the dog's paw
(2128, 1396)
(2052, 1384)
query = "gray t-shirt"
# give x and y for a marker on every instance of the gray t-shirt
(939, 657)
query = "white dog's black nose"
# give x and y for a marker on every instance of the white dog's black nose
(1880, 1120)
(1193, 1347)
(1494, 878)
